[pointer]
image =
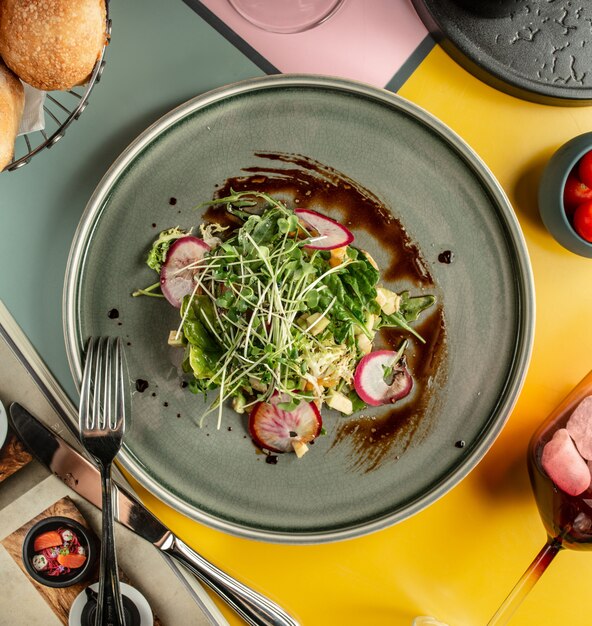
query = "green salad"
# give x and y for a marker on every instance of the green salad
(281, 313)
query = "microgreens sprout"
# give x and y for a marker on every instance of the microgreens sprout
(147, 291)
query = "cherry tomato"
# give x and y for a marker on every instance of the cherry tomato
(574, 193)
(585, 169)
(582, 221)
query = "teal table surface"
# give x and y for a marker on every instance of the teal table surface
(161, 54)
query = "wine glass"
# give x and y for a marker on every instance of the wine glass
(559, 466)
(286, 16)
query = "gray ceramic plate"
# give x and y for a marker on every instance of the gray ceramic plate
(446, 199)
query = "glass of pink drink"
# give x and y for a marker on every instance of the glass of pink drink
(560, 469)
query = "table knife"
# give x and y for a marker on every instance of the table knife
(83, 477)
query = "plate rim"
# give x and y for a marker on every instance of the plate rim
(526, 304)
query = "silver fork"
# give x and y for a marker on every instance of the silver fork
(104, 411)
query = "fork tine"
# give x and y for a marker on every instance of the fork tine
(114, 371)
(111, 384)
(126, 396)
(97, 419)
(85, 389)
(118, 396)
(90, 371)
(107, 382)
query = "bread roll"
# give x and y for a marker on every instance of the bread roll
(12, 103)
(52, 44)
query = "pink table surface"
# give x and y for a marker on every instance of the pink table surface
(366, 40)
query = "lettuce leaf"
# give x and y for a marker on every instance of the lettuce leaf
(203, 350)
(158, 252)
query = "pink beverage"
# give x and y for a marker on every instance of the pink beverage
(560, 463)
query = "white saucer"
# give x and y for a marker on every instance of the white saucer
(132, 593)
(3, 425)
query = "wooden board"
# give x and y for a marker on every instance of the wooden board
(60, 600)
(13, 456)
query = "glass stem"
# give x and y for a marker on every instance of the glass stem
(527, 582)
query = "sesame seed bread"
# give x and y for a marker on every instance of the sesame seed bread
(12, 102)
(52, 44)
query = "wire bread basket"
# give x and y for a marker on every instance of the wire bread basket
(61, 108)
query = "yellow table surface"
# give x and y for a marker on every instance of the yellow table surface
(458, 559)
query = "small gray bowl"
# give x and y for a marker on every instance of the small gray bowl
(551, 194)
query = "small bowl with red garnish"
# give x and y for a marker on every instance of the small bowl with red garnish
(565, 195)
(59, 552)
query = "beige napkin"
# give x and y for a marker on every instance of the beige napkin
(174, 594)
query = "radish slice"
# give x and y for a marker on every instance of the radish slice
(370, 383)
(277, 430)
(180, 267)
(331, 233)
